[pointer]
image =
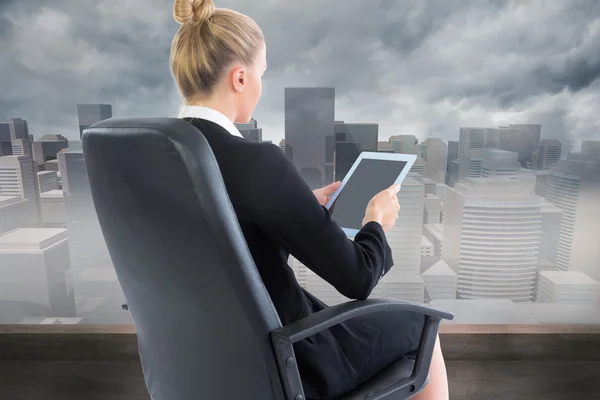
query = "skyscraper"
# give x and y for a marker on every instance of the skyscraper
(522, 139)
(350, 141)
(385, 147)
(48, 147)
(86, 242)
(18, 140)
(470, 139)
(251, 131)
(492, 237)
(309, 121)
(474, 163)
(18, 178)
(574, 187)
(89, 114)
(18, 128)
(5, 140)
(435, 153)
(406, 144)
(453, 147)
(547, 155)
(405, 237)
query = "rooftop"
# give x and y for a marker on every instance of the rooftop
(440, 268)
(569, 278)
(29, 239)
(52, 194)
(425, 242)
(4, 200)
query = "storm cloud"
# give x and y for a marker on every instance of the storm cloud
(415, 67)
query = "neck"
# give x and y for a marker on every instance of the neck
(222, 105)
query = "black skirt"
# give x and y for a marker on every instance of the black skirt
(352, 361)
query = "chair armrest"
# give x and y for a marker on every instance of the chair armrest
(284, 338)
(332, 316)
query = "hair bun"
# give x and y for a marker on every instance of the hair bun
(193, 11)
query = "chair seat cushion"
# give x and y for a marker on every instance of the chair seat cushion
(399, 370)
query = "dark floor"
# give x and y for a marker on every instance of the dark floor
(469, 380)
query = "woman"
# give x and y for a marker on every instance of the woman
(218, 58)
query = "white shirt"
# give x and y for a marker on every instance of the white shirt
(211, 115)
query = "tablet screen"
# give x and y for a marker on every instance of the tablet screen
(369, 178)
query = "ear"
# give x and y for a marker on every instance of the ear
(238, 79)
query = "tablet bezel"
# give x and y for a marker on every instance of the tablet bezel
(370, 155)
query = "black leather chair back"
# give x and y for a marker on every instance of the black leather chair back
(201, 312)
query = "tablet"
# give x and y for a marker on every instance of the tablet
(370, 174)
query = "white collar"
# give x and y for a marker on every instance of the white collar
(211, 115)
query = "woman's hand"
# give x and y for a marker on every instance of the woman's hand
(325, 193)
(383, 208)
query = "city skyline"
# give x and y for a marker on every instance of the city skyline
(500, 233)
(410, 71)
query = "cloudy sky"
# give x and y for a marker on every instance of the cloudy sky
(413, 66)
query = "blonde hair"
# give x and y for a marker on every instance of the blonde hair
(209, 40)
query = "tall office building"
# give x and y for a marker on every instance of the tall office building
(523, 139)
(15, 212)
(405, 236)
(53, 209)
(453, 147)
(14, 137)
(385, 147)
(18, 178)
(471, 139)
(5, 140)
(440, 281)
(568, 287)
(406, 144)
(17, 127)
(309, 121)
(547, 154)
(89, 114)
(350, 140)
(491, 238)
(47, 180)
(435, 234)
(475, 163)
(86, 242)
(419, 166)
(35, 270)
(75, 145)
(574, 187)
(434, 152)
(433, 209)
(252, 124)
(251, 131)
(48, 147)
(22, 147)
(550, 236)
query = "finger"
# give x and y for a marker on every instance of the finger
(330, 189)
(394, 189)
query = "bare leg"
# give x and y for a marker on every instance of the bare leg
(437, 389)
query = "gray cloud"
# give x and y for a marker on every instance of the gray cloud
(424, 67)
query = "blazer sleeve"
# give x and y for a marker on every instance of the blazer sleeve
(288, 211)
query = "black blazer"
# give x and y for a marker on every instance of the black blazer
(279, 215)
